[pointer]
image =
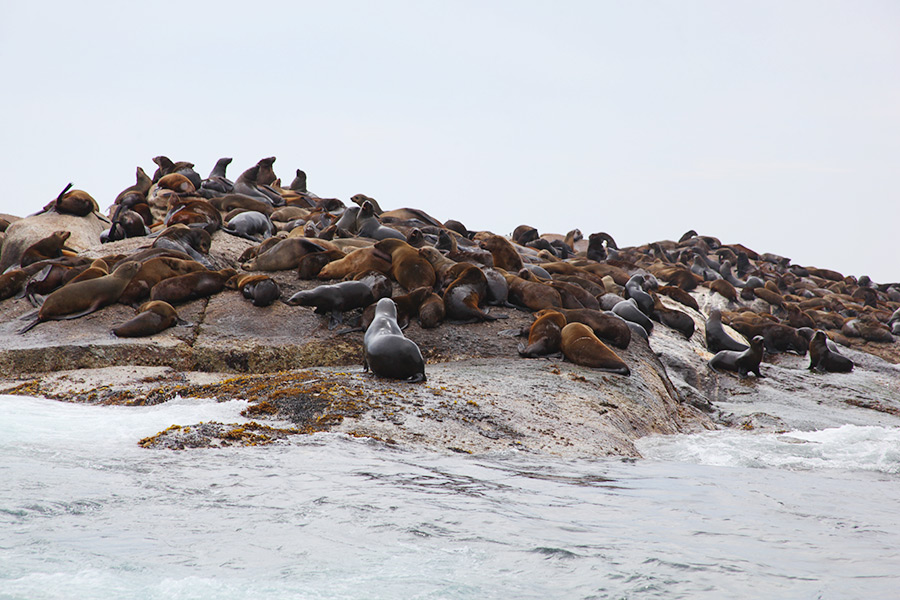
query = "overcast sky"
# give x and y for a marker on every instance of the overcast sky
(773, 124)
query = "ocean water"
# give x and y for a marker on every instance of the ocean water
(86, 513)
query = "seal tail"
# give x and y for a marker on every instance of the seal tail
(30, 325)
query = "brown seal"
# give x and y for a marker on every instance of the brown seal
(440, 263)
(195, 242)
(82, 298)
(531, 294)
(544, 336)
(194, 213)
(723, 288)
(744, 363)
(357, 262)
(822, 358)
(47, 248)
(98, 268)
(408, 268)
(679, 295)
(607, 326)
(152, 271)
(431, 311)
(504, 254)
(73, 202)
(176, 182)
(386, 352)
(184, 288)
(11, 283)
(286, 254)
(582, 347)
(152, 317)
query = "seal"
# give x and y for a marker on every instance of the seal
(503, 252)
(194, 213)
(357, 262)
(716, 337)
(82, 298)
(465, 295)
(45, 249)
(431, 311)
(544, 335)
(628, 310)
(195, 242)
(262, 290)
(337, 298)
(608, 326)
(408, 268)
(670, 317)
(153, 317)
(74, 202)
(386, 352)
(286, 254)
(823, 358)
(11, 283)
(184, 288)
(250, 225)
(531, 294)
(217, 182)
(367, 225)
(153, 270)
(744, 363)
(582, 347)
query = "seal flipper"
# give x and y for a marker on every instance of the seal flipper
(417, 378)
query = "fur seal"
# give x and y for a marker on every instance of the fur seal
(196, 213)
(503, 252)
(386, 352)
(47, 248)
(357, 262)
(823, 358)
(582, 347)
(73, 202)
(744, 363)
(629, 310)
(408, 268)
(336, 299)
(608, 326)
(250, 225)
(531, 294)
(153, 270)
(153, 317)
(367, 225)
(286, 254)
(431, 311)
(184, 288)
(716, 337)
(262, 290)
(195, 242)
(465, 295)
(82, 298)
(11, 283)
(544, 335)
(218, 182)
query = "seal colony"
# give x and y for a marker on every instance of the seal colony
(592, 300)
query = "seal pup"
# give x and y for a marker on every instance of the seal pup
(84, 297)
(716, 337)
(153, 317)
(582, 347)
(386, 351)
(744, 363)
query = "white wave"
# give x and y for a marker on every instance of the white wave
(63, 425)
(849, 447)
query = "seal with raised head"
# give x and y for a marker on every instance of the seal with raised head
(822, 358)
(743, 363)
(386, 351)
(408, 268)
(47, 248)
(367, 225)
(152, 317)
(716, 337)
(82, 298)
(582, 347)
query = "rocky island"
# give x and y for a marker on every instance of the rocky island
(220, 274)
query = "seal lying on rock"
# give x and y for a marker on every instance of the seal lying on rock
(153, 317)
(743, 362)
(84, 297)
(582, 347)
(386, 352)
